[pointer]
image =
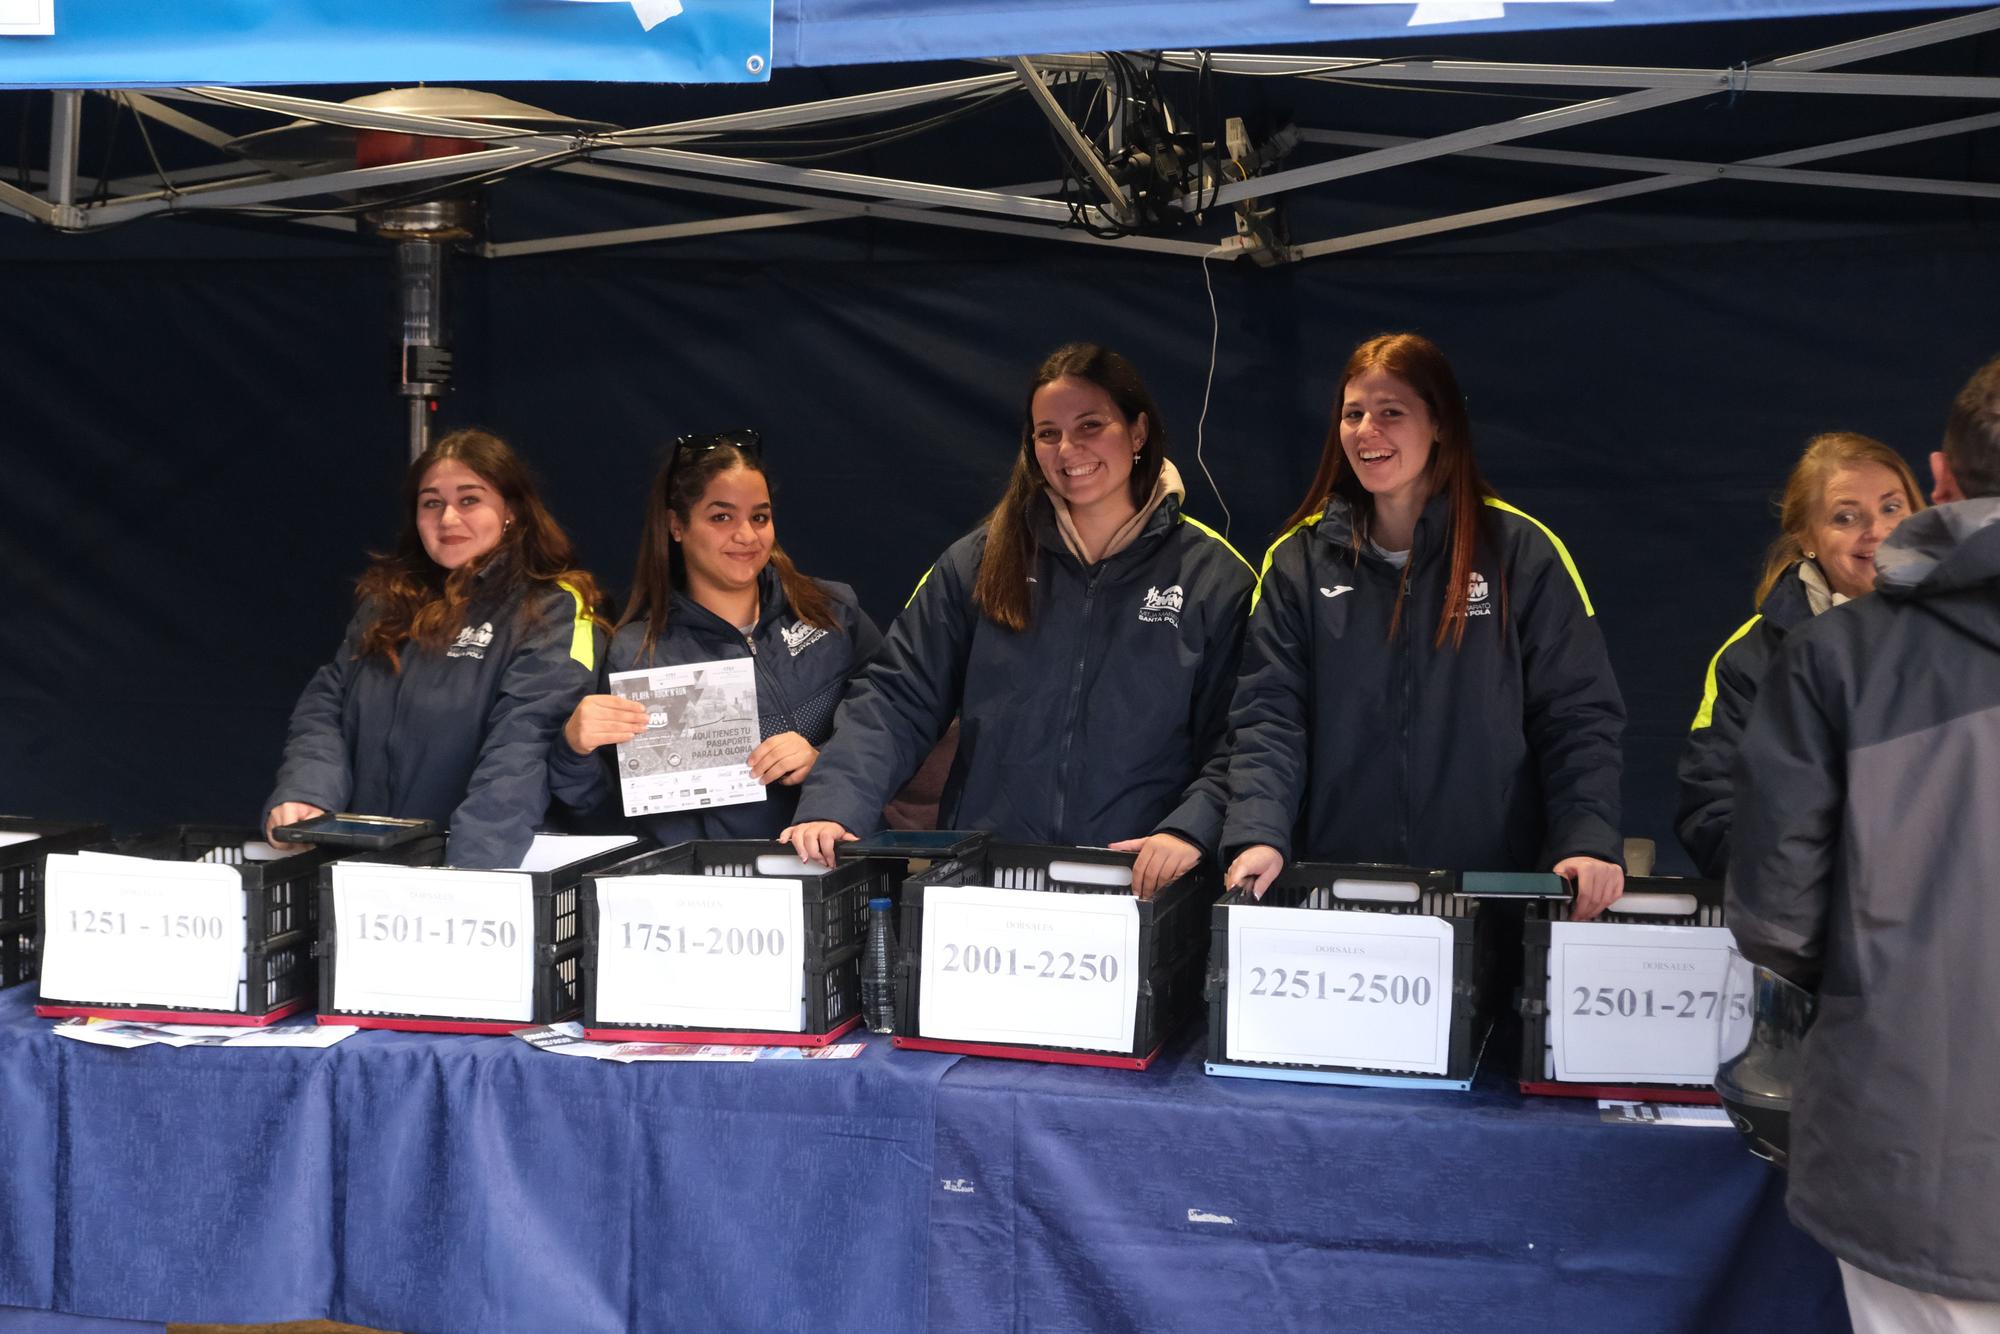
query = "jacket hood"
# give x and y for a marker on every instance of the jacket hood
(771, 605)
(1948, 560)
(1788, 603)
(1163, 512)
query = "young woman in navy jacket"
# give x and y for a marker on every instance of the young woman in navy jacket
(1423, 678)
(712, 583)
(1086, 637)
(475, 638)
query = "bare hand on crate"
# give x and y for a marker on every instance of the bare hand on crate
(1598, 884)
(1162, 860)
(815, 840)
(288, 812)
(1254, 869)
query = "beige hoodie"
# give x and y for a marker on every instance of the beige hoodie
(1169, 484)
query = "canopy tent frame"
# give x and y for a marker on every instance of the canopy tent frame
(669, 156)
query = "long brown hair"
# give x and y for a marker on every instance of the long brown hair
(1806, 485)
(1002, 588)
(418, 600)
(1453, 468)
(677, 488)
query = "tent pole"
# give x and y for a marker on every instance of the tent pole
(65, 131)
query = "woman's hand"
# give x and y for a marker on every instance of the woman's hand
(785, 758)
(603, 720)
(815, 840)
(1254, 869)
(1598, 884)
(1163, 859)
(288, 812)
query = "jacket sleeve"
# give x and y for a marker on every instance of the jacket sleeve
(1198, 818)
(898, 708)
(583, 782)
(1270, 713)
(315, 768)
(552, 667)
(1708, 794)
(1790, 782)
(1572, 712)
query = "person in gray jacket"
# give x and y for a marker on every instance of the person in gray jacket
(1866, 843)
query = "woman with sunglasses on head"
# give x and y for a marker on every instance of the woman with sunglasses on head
(1424, 683)
(712, 583)
(475, 638)
(1085, 636)
(1845, 494)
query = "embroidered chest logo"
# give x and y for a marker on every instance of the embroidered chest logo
(471, 642)
(1335, 591)
(1162, 604)
(799, 637)
(1477, 593)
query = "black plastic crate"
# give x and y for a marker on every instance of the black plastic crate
(279, 918)
(836, 928)
(1173, 939)
(558, 943)
(1310, 885)
(1647, 901)
(21, 886)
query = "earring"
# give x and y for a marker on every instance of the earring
(1812, 555)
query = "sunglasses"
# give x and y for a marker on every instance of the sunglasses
(750, 442)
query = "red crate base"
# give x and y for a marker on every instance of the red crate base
(494, 1028)
(1109, 1060)
(223, 1018)
(1546, 1088)
(697, 1037)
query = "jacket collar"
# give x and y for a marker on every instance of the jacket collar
(684, 610)
(1941, 550)
(1338, 520)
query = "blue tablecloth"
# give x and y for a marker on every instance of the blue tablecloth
(443, 1184)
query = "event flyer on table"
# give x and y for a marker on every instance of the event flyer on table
(696, 748)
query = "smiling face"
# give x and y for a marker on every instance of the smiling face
(460, 517)
(1387, 434)
(727, 536)
(1862, 504)
(1085, 445)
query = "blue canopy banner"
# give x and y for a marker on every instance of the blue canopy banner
(138, 43)
(145, 43)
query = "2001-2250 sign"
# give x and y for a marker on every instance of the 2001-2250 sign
(1048, 965)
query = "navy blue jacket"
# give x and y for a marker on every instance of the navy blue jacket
(1103, 720)
(802, 675)
(1708, 795)
(1502, 754)
(459, 735)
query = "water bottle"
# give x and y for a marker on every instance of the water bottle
(878, 965)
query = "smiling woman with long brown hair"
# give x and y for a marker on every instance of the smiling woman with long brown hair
(1423, 681)
(1085, 635)
(474, 639)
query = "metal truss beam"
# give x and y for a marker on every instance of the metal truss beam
(813, 113)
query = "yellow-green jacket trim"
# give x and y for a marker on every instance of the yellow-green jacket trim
(1555, 541)
(582, 635)
(1706, 714)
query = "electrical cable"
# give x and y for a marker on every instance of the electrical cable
(1201, 422)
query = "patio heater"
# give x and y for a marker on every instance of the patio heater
(426, 225)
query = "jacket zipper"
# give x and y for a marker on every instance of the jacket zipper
(784, 702)
(1407, 674)
(1075, 695)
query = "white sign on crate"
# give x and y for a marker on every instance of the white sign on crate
(1026, 966)
(434, 942)
(133, 931)
(702, 951)
(1631, 1003)
(1357, 990)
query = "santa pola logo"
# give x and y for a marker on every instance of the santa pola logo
(471, 642)
(1162, 604)
(1476, 593)
(799, 637)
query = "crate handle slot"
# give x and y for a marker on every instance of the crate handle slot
(1376, 891)
(783, 864)
(1091, 873)
(1656, 905)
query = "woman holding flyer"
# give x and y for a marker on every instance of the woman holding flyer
(474, 639)
(714, 598)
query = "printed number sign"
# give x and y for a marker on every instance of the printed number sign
(700, 951)
(131, 931)
(433, 942)
(1019, 966)
(1362, 991)
(1630, 1003)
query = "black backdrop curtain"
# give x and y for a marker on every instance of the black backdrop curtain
(196, 452)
